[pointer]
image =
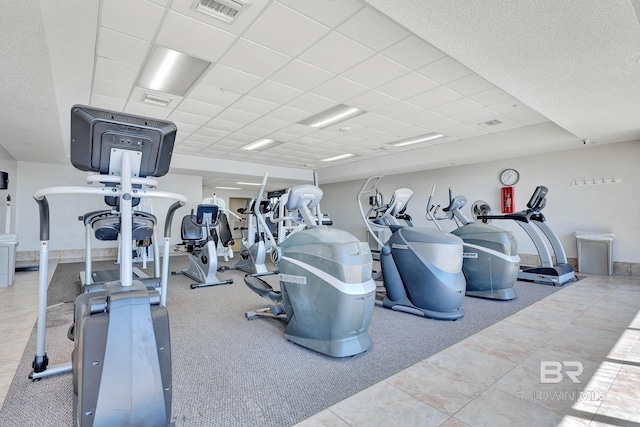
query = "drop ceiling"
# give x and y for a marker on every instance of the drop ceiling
(498, 79)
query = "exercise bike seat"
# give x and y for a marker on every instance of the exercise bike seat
(191, 232)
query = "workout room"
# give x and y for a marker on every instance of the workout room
(319, 213)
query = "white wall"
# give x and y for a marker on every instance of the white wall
(9, 165)
(66, 231)
(605, 208)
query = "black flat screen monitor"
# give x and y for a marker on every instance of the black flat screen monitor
(97, 134)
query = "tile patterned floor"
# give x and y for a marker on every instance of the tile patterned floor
(490, 379)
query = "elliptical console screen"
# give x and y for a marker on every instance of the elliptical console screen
(97, 134)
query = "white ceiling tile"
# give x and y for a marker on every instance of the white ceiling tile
(255, 131)
(372, 29)
(254, 59)
(329, 13)
(509, 106)
(116, 71)
(339, 89)
(376, 71)
(223, 125)
(285, 30)
(433, 97)
(444, 125)
(368, 119)
(413, 52)
(312, 103)
(178, 149)
(213, 95)
(283, 136)
(408, 85)
(398, 110)
(371, 100)
(367, 133)
(393, 127)
(110, 45)
(289, 114)
(230, 79)
(254, 105)
(527, 116)
(269, 123)
(241, 138)
(336, 53)
(237, 115)
(456, 107)
(422, 117)
(296, 129)
(491, 96)
(301, 75)
(209, 132)
(107, 103)
(188, 118)
(205, 140)
(188, 143)
(444, 70)
(178, 32)
(470, 85)
(344, 128)
(138, 18)
(200, 108)
(478, 115)
(275, 92)
(111, 89)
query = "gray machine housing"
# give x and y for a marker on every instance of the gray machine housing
(491, 263)
(326, 292)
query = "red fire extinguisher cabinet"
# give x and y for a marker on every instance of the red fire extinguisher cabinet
(507, 197)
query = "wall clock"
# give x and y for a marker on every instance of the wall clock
(509, 177)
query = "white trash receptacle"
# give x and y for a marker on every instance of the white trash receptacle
(595, 252)
(8, 243)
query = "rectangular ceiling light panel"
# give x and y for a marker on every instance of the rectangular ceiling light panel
(170, 71)
(261, 144)
(331, 116)
(224, 10)
(418, 139)
(336, 158)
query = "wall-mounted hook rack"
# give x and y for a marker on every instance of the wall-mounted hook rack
(594, 181)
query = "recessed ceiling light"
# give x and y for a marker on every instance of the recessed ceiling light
(334, 158)
(170, 71)
(331, 116)
(248, 183)
(261, 144)
(229, 188)
(417, 139)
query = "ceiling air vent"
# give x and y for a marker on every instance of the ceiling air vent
(491, 123)
(224, 10)
(155, 100)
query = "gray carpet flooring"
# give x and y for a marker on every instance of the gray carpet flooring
(228, 371)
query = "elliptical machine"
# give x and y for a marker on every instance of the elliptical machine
(253, 250)
(121, 360)
(326, 292)
(421, 267)
(535, 225)
(490, 259)
(201, 247)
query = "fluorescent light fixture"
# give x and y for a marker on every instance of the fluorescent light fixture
(261, 144)
(331, 116)
(229, 188)
(334, 158)
(170, 71)
(248, 183)
(417, 139)
(160, 101)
